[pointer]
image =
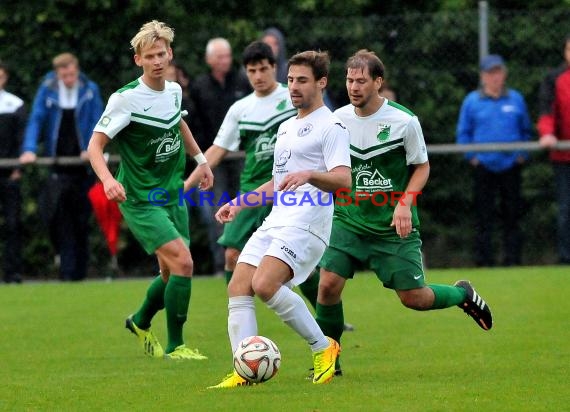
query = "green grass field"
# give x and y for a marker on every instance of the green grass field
(64, 347)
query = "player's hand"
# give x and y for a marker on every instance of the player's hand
(28, 157)
(548, 141)
(205, 175)
(228, 212)
(402, 220)
(114, 190)
(193, 180)
(293, 181)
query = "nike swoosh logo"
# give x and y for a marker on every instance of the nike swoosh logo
(321, 374)
(417, 277)
(147, 108)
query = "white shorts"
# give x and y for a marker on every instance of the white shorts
(298, 248)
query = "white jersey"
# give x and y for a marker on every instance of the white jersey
(317, 142)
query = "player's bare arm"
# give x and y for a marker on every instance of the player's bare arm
(114, 190)
(203, 171)
(214, 155)
(259, 197)
(336, 178)
(402, 218)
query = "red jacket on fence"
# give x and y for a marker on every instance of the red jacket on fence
(554, 105)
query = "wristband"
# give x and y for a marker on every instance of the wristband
(200, 159)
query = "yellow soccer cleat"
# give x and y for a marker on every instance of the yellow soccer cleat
(151, 345)
(182, 352)
(232, 380)
(324, 362)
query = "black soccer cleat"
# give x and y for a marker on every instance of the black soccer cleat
(475, 306)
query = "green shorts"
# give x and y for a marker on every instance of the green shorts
(153, 226)
(397, 262)
(237, 232)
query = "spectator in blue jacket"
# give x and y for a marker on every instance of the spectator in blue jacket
(493, 114)
(66, 107)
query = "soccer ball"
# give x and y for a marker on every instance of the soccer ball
(257, 359)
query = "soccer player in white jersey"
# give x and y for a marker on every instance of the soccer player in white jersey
(311, 160)
(376, 224)
(144, 120)
(250, 124)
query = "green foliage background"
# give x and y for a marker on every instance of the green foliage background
(430, 50)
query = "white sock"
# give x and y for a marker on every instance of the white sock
(292, 310)
(242, 322)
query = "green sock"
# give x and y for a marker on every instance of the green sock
(228, 274)
(176, 302)
(331, 320)
(310, 287)
(153, 302)
(447, 296)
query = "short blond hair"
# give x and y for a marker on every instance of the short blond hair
(64, 60)
(151, 32)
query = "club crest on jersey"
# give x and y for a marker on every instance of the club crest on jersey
(383, 132)
(105, 120)
(305, 130)
(282, 105)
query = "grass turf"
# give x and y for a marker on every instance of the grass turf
(64, 347)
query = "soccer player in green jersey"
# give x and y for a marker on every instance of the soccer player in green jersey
(144, 119)
(376, 223)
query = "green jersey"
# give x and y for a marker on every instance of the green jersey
(382, 146)
(145, 123)
(251, 124)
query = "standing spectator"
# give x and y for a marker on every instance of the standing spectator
(276, 40)
(554, 125)
(493, 114)
(144, 120)
(66, 108)
(12, 125)
(213, 93)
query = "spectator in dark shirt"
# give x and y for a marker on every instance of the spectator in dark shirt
(12, 125)
(213, 93)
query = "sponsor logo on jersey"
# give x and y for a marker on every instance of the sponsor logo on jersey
(305, 130)
(368, 181)
(283, 158)
(168, 145)
(264, 146)
(383, 132)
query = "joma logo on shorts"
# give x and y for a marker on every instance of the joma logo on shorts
(289, 252)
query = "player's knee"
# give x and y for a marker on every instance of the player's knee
(264, 288)
(413, 299)
(231, 256)
(330, 289)
(186, 265)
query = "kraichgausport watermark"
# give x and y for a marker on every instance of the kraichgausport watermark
(342, 197)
